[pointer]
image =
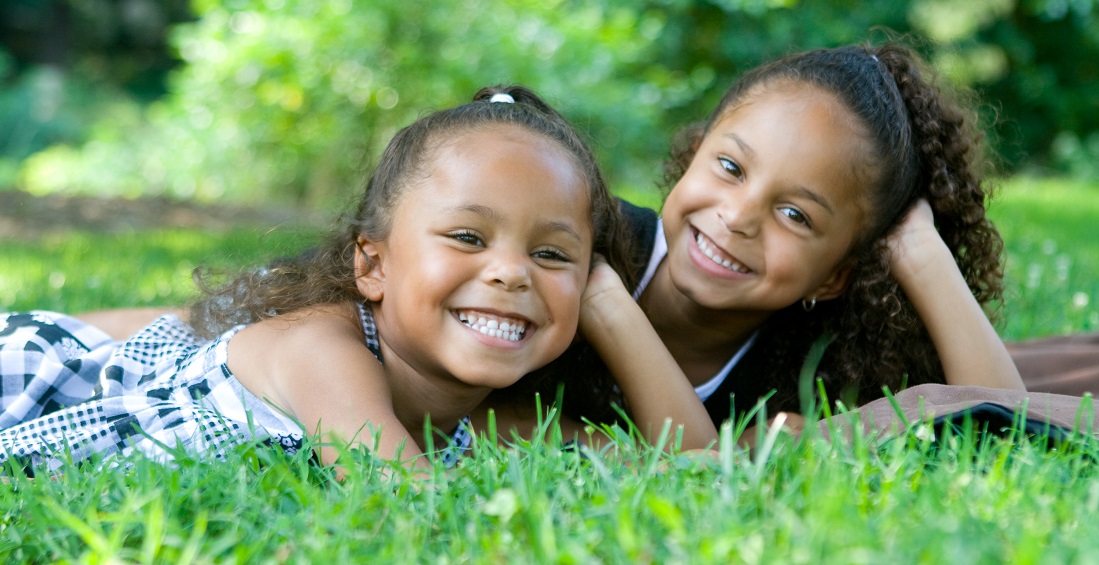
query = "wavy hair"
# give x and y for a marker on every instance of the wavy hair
(925, 146)
(326, 274)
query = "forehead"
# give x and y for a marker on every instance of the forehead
(809, 132)
(507, 146)
(505, 164)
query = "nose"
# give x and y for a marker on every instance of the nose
(508, 270)
(741, 212)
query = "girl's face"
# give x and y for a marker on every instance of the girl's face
(480, 277)
(769, 208)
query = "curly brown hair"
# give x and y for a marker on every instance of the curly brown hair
(927, 146)
(326, 274)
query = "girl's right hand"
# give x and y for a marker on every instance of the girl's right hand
(969, 348)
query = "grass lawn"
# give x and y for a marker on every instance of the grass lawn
(964, 497)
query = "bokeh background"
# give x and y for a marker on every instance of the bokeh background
(288, 101)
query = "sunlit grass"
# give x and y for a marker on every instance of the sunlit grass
(964, 497)
(75, 272)
(1051, 233)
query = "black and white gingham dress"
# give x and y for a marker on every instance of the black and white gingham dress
(67, 387)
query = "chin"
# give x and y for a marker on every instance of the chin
(489, 381)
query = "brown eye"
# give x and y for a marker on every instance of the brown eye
(796, 215)
(551, 255)
(468, 237)
(731, 167)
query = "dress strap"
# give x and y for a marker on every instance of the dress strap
(460, 442)
(461, 438)
(370, 330)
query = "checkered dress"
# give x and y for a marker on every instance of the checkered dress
(67, 387)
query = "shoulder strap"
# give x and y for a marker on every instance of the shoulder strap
(370, 331)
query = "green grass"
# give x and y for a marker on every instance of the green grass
(967, 497)
(909, 501)
(1051, 233)
(76, 272)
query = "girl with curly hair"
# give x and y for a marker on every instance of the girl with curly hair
(833, 198)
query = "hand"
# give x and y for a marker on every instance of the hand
(915, 243)
(789, 422)
(603, 288)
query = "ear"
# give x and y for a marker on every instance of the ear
(834, 286)
(370, 268)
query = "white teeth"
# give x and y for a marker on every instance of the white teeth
(512, 330)
(715, 256)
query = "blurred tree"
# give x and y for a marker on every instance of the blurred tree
(294, 98)
(1049, 90)
(291, 99)
(121, 42)
(66, 64)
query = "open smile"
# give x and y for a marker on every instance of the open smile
(717, 256)
(492, 325)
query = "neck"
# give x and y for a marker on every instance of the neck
(700, 339)
(417, 397)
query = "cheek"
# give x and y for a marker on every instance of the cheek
(690, 193)
(562, 295)
(804, 267)
(431, 265)
(794, 261)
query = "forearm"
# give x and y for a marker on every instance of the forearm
(652, 383)
(122, 323)
(971, 351)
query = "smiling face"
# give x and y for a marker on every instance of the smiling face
(480, 278)
(768, 210)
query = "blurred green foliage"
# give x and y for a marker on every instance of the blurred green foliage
(292, 99)
(66, 65)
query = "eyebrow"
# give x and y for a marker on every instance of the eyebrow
(815, 198)
(801, 190)
(747, 149)
(490, 214)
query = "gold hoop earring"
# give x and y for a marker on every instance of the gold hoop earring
(808, 305)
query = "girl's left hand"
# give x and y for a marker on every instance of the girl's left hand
(916, 243)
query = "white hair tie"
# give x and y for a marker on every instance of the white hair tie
(502, 97)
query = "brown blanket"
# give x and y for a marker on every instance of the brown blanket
(1055, 415)
(1062, 364)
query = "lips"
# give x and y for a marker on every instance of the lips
(719, 257)
(492, 325)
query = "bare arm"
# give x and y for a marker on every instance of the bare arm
(971, 351)
(316, 368)
(651, 381)
(122, 323)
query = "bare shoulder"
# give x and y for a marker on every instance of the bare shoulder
(306, 350)
(317, 325)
